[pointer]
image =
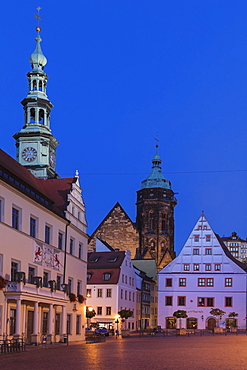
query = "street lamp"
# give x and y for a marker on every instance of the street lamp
(117, 322)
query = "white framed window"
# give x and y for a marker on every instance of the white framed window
(16, 217)
(1, 209)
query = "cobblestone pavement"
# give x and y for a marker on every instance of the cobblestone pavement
(194, 352)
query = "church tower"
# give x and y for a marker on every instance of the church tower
(35, 144)
(155, 216)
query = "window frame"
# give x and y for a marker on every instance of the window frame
(179, 300)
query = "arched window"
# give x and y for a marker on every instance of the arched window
(32, 115)
(151, 220)
(162, 244)
(152, 244)
(34, 85)
(40, 85)
(41, 116)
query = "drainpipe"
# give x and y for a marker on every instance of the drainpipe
(65, 250)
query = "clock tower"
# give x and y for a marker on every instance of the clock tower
(35, 144)
(155, 216)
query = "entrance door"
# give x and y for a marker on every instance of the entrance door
(171, 323)
(211, 323)
(29, 325)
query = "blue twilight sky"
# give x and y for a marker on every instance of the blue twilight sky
(122, 72)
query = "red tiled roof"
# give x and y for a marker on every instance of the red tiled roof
(98, 276)
(54, 189)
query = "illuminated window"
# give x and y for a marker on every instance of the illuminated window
(210, 282)
(182, 282)
(201, 282)
(228, 281)
(217, 267)
(196, 267)
(186, 267)
(208, 267)
(100, 294)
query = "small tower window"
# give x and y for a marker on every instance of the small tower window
(40, 85)
(41, 116)
(163, 221)
(163, 245)
(34, 85)
(151, 220)
(32, 115)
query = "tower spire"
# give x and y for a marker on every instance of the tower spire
(35, 144)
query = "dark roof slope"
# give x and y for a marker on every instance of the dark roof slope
(229, 255)
(105, 260)
(55, 190)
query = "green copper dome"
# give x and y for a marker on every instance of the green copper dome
(37, 58)
(156, 178)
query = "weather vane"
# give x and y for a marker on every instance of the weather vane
(38, 29)
(157, 140)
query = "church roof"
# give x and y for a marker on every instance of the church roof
(156, 178)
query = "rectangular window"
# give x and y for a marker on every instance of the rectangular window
(186, 267)
(168, 301)
(70, 285)
(14, 270)
(80, 251)
(210, 302)
(129, 296)
(79, 285)
(169, 282)
(208, 267)
(33, 227)
(45, 278)
(228, 301)
(126, 294)
(47, 234)
(122, 278)
(217, 267)
(99, 310)
(201, 282)
(100, 293)
(15, 218)
(71, 246)
(181, 301)
(196, 238)
(78, 324)
(228, 281)
(89, 293)
(68, 323)
(210, 282)
(108, 293)
(208, 251)
(201, 302)
(60, 240)
(121, 294)
(108, 310)
(31, 274)
(133, 297)
(195, 251)
(182, 282)
(208, 238)
(1, 209)
(196, 267)
(58, 282)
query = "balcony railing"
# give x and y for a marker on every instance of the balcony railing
(15, 287)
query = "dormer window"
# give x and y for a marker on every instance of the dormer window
(107, 276)
(89, 275)
(94, 260)
(113, 259)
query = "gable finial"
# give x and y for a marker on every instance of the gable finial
(77, 174)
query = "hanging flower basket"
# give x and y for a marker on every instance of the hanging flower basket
(3, 283)
(72, 297)
(80, 298)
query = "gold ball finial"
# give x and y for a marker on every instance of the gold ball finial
(38, 29)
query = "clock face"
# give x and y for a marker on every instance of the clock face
(52, 159)
(29, 154)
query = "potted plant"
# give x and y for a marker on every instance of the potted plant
(233, 322)
(80, 298)
(180, 314)
(3, 283)
(218, 313)
(72, 297)
(125, 314)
